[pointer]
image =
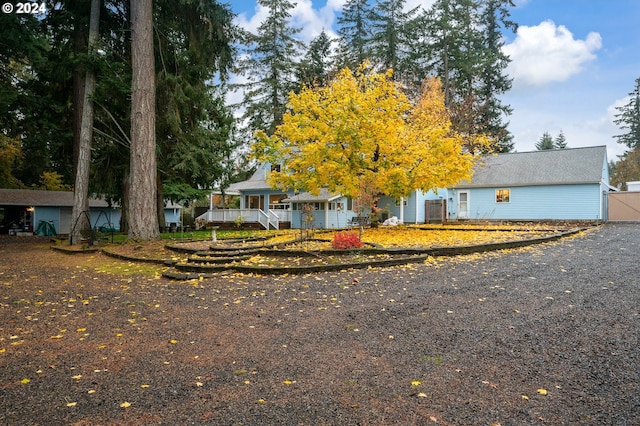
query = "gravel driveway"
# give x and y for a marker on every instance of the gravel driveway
(542, 335)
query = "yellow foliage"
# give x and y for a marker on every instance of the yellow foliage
(362, 128)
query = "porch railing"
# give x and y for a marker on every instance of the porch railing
(272, 217)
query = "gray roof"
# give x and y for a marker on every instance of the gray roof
(36, 198)
(307, 197)
(257, 181)
(40, 198)
(547, 167)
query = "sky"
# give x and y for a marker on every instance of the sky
(572, 63)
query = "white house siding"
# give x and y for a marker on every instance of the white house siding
(554, 202)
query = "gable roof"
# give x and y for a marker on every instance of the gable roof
(39, 198)
(547, 167)
(257, 181)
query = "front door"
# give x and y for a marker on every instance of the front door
(463, 204)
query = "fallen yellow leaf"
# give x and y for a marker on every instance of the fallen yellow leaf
(287, 382)
(416, 383)
(525, 397)
(542, 391)
(78, 377)
(25, 381)
(125, 404)
(71, 404)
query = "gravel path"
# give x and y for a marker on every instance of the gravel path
(543, 335)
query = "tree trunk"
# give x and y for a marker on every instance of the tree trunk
(81, 221)
(142, 214)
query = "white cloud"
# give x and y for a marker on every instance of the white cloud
(310, 21)
(548, 53)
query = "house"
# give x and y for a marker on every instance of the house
(275, 209)
(259, 203)
(23, 210)
(563, 184)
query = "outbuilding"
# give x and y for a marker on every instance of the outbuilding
(560, 184)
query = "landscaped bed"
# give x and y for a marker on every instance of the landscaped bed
(301, 251)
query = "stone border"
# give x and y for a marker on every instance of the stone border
(186, 271)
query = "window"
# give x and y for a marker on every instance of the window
(275, 201)
(503, 195)
(404, 202)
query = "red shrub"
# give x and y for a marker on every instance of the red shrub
(346, 240)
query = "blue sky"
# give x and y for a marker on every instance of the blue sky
(573, 62)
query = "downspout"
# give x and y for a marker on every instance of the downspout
(402, 209)
(416, 206)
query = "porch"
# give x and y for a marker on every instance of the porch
(271, 219)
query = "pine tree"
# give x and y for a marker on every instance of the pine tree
(494, 19)
(354, 30)
(560, 142)
(318, 63)
(270, 67)
(545, 142)
(142, 208)
(462, 41)
(629, 118)
(80, 220)
(196, 40)
(390, 43)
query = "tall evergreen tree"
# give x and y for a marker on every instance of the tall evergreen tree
(495, 19)
(270, 67)
(455, 48)
(560, 142)
(318, 63)
(22, 49)
(80, 219)
(392, 33)
(628, 118)
(193, 124)
(461, 40)
(545, 142)
(142, 207)
(354, 30)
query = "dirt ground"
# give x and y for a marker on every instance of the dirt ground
(542, 335)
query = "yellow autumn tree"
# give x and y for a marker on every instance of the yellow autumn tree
(361, 130)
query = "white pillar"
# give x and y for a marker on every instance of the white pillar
(326, 214)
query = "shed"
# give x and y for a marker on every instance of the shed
(22, 211)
